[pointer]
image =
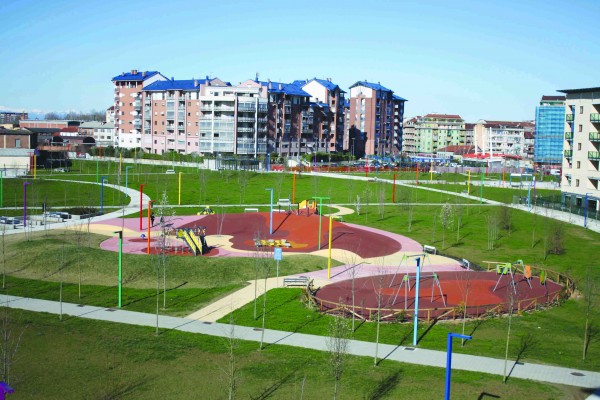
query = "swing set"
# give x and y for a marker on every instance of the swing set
(407, 278)
(506, 269)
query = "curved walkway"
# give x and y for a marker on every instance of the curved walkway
(433, 358)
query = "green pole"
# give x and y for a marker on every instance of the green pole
(120, 266)
(481, 188)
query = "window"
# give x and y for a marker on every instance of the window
(578, 146)
(155, 122)
(155, 141)
(580, 128)
(17, 143)
(580, 109)
(163, 122)
(578, 164)
(189, 103)
(189, 114)
(577, 182)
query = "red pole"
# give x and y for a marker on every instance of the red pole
(141, 203)
(149, 223)
(394, 190)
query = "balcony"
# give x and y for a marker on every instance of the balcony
(568, 135)
(245, 119)
(594, 155)
(245, 129)
(568, 153)
(287, 109)
(595, 118)
(594, 136)
(570, 117)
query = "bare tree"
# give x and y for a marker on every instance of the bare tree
(381, 200)
(459, 215)
(337, 344)
(12, 332)
(243, 180)
(357, 204)
(202, 183)
(266, 266)
(511, 303)
(165, 214)
(446, 220)
(3, 244)
(231, 372)
(557, 239)
(589, 301)
(379, 295)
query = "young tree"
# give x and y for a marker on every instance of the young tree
(3, 246)
(511, 303)
(381, 199)
(557, 239)
(357, 204)
(165, 213)
(590, 302)
(12, 331)
(446, 220)
(243, 180)
(337, 344)
(231, 372)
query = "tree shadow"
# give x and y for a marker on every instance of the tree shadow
(478, 322)
(430, 327)
(269, 391)
(527, 343)
(385, 386)
(485, 395)
(119, 390)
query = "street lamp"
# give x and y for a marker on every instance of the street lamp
(449, 359)
(141, 203)
(126, 179)
(25, 203)
(271, 213)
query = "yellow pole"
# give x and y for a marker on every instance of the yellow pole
(469, 183)
(329, 258)
(180, 188)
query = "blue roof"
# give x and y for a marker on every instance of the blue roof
(374, 86)
(287, 88)
(138, 76)
(185, 84)
(319, 104)
(324, 82)
(396, 97)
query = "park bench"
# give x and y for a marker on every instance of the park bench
(429, 249)
(251, 209)
(299, 281)
(338, 218)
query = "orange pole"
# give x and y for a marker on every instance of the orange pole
(417, 174)
(149, 222)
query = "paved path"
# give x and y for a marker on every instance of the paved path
(537, 372)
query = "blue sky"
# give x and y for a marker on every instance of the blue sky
(479, 59)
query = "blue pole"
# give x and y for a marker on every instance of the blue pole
(271, 213)
(416, 316)
(449, 360)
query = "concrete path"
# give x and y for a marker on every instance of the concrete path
(537, 372)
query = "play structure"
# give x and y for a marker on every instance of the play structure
(469, 293)
(307, 207)
(195, 238)
(206, 211)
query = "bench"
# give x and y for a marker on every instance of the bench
(338, 218)
(250, 209)
(429, 249)
(299, 281)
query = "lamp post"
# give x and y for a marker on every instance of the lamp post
(102, 195)
(25, 203)
(179, 202)
(126, 179)
(271, 212)
(149, 223)
(321, 198)
(449, 360)
(141, 203)
(120, 276)
(416, 314)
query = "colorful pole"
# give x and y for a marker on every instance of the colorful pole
(120, 277)
(179, 188)
(149, 223)
(449, 359)
(481, 188)
(469, 182)
(25, 203)
(416, 316)
(271, 212)
(120, 162)
(141, 204)
(330, 240)
(102, 195)
(294, 189)
(394, 190)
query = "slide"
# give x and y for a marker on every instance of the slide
(194, 238)
(185, 234)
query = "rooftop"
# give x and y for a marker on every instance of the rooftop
(583, 90)
(135, 75)
(443, 116)
(172, 84)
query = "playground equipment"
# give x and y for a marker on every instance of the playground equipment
(206, 211)
(307, 205)
(407, 285)
(195, 239)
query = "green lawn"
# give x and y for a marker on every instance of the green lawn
(105, 360)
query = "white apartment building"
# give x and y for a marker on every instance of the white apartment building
(503, 137)
(581, 158)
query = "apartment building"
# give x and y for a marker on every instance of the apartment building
(503, 137)
(581, 154)
(49, 123)
(435, 131)
(102, 132)
(328, 99)
(376, 119)
(409, 137)
(128, 105)
(11, 117)
(549, 131)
